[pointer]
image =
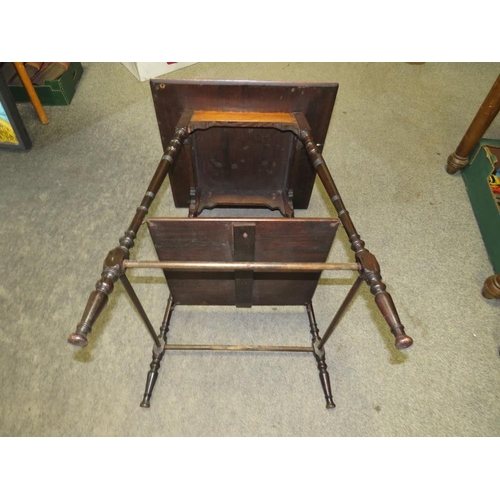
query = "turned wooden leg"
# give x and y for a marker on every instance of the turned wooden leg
(491, 287)
(370, 269)
(319, 355)
(371, 274)
(486, 114)
(158, 353)
(112, 269)
(388, 309)
(99, 298)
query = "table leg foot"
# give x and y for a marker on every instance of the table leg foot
(324, 378)
(456, 162)
(152, 376)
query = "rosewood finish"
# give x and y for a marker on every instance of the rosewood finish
(241, 144)
(239, 160)
(269, 240)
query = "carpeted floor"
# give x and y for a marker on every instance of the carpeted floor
(64, 205)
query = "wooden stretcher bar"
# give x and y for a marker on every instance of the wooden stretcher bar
(260, 348)
(263, 267)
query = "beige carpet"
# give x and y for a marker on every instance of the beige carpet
(65, 204)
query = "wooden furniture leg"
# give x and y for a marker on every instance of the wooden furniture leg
(459, 159)
(320, 357)
(370, 269)
(112, 268)
(23, 75)
(158, 353)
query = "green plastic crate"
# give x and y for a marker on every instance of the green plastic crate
(58, 92)
(484, 194)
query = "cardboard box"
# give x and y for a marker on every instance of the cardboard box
(58, 92)
(146, 70)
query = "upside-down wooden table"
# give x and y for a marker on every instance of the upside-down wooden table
(241, 144)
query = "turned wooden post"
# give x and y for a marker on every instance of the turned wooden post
(158, 352)
(370, 270)
(459, 159)
(112, 268)
(320, 358)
